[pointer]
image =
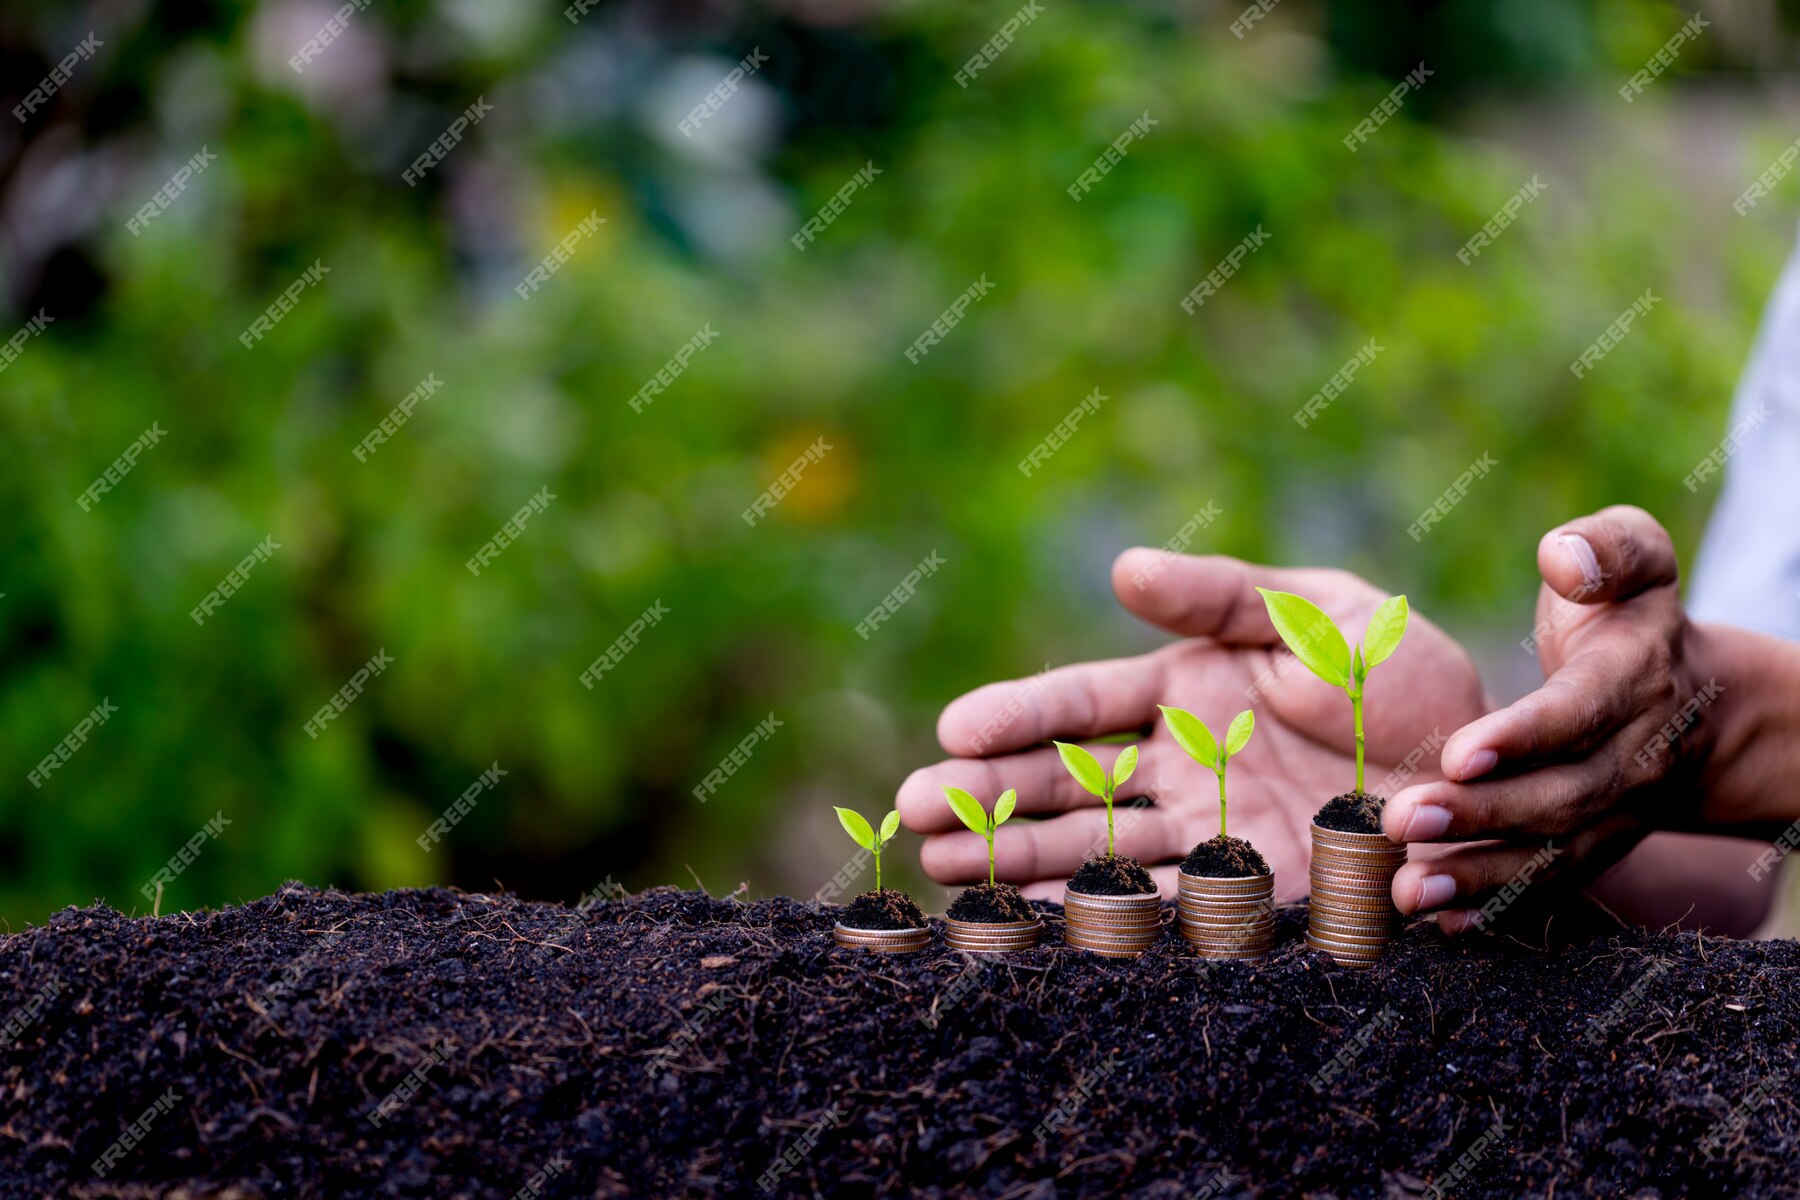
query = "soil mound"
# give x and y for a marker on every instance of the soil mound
(437, 1044)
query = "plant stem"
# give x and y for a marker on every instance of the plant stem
(878, 870)
(990, 862)
(1221, 803)
(1356, 707)
(1109, 825)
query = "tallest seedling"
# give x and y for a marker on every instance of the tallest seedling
(1316, 641)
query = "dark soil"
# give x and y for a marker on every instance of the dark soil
(673, 1045)
(1352, 812)
(886, 909)
(1224, 857)
(1114, 876)
(991, 904)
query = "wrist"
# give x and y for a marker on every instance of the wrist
(1743, 753)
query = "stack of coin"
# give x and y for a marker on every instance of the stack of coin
(992, 937)
(1228, 918)
(883, 941)
(1116, 926)
(1353, 916)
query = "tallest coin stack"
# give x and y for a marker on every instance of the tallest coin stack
(1352, 913)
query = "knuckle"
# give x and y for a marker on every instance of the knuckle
(1661, 664)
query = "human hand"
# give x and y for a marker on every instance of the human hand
(1303, 753)
(1606, 751)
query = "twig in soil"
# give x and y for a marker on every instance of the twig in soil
(1544, 1048)
(1431, 1006)
(1356, 1116)
(1129, 1160)
(1609, 912)
(519, 937)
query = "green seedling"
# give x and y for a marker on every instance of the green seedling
(863, 834)
(1192, 735)
(1316, 641)
(1097, 779)
(968, 809)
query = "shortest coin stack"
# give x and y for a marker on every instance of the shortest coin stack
(1228, 918)
(883, 941)
(1116, 926)
(990, 937)
(1352, 914)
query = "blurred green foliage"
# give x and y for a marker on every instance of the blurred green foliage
(810, 344)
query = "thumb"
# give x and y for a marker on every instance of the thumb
(1614, 554)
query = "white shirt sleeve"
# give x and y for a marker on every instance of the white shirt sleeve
(1748, 569)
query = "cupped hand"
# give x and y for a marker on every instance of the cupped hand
(1231, 659)
(1571, 777)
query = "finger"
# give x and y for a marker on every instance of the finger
(1591, 698)
(1214, 596)
(1456, 920)
(1043, 784)
(1053, 889)
(1052, 849)
(1614, 554)
(1550, 800)
(1470, 876)
(1085, 700)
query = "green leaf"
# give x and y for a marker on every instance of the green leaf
(1192, 735)
(1359, 670)
(1386, 628)
(1124, 765)
(1238, 736)
(890, 825)
(1310, 634)
(967, 809)
(1084, 767)
(1003, 807)
(857, 828)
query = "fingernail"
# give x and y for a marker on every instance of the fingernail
(1436, 891)
(1453, 920)
(1427, 823)
(1479, 763)
(1584, 557)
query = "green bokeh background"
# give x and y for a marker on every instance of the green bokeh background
(811, 344)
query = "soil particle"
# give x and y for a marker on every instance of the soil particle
(671, 1044)
(1352, 812)
(886, 909)
(991, 904)
(1224, 857)
(1113, 876)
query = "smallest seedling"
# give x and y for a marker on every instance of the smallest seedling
(863, 834)
(969, 810)
(1192, 735)
(1097, 779)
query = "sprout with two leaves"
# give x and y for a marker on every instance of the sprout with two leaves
(1116, 874)
(1192, 735)
(992, 901)
(864, 835)
(1222, 856)
(1097, 779)
(878, 909)
(1316, 641)
(969, 811)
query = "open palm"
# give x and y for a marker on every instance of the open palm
(1302, 755)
